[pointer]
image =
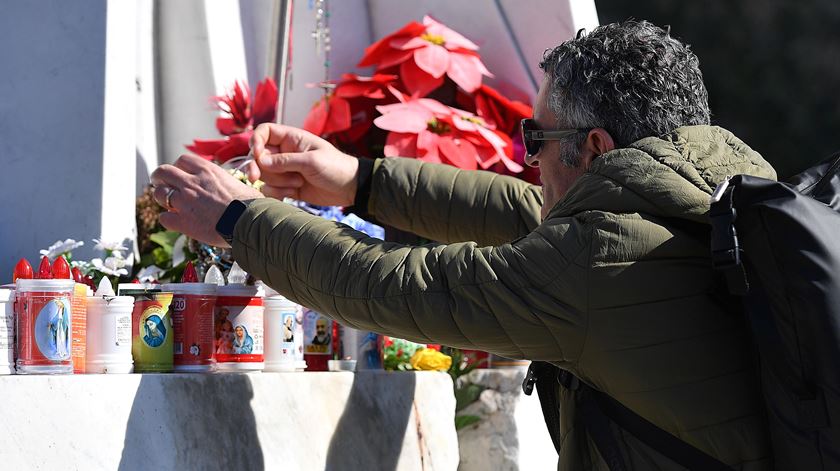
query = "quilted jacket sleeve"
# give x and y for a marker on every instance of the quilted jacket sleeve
(519, 300)
(446, 204)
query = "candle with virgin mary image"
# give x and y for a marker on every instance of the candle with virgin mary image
(151, 329)
(239, 339)
(44, 326)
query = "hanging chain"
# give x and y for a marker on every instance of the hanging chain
(321, 34)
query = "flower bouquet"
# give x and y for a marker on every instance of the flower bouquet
(403, 355)
(425, 100)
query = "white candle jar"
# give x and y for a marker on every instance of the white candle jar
(109, 334)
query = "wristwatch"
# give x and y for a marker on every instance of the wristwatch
(227, 223)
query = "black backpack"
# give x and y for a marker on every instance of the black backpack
(778, 247)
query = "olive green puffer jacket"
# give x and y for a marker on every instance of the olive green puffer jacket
(606, 286)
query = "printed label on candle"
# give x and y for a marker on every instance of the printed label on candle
(287, 347)
(317, 334)
(151, 333)
(52, 329)
(239, 330)
(153, 329)
(7, 330)
(122, 326)
(79, 349)
(192, 320)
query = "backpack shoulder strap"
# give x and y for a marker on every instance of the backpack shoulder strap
(545, 377)
(664, 442)
(725, 247)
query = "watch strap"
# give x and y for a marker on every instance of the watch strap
(227, 222)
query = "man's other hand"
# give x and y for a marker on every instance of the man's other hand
(297, 164)
(195, 193)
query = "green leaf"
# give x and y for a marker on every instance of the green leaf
(161, 256)
(146, 260)
(467, 395)
(462, 421)
(165, 239)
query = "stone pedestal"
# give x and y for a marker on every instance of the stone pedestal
(256, 421)
(511, 434)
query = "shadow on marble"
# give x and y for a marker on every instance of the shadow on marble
(382, 406)
(192, 422)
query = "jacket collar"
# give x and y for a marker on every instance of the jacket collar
(668, 176)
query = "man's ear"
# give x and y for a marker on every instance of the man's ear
(598, 141)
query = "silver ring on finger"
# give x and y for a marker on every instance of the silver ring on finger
(168, 201)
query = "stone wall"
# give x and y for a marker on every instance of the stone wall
(511, 434)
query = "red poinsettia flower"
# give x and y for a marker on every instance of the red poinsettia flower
(350, 107)
(241, 115)
(495, 108)
(222, 150)
(240, 121)
(500, 144)
(355, 86)
(237, 105)
(529, 174)
(425, 53)
(428, 130)
(331, 114)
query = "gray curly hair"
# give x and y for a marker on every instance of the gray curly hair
(631, 78)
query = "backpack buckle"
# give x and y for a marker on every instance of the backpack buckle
(529, 381)
(726, 251)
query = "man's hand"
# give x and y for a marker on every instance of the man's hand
(195, 193)
(297, 164)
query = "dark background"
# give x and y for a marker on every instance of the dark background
(772, 68)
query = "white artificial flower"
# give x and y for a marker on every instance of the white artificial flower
(111, 266)
(59, 248)
(178, 255)
(108, 246)
(149, 274)
(115, 262)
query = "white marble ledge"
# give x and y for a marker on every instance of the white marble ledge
(255, 421)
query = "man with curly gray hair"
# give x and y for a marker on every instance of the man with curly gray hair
(602, 275)
(632, 79)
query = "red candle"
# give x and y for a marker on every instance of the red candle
(190, 275)
(61, 269)
(44, 270)
(23, 270)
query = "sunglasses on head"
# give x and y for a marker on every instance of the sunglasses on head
(533, 136)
